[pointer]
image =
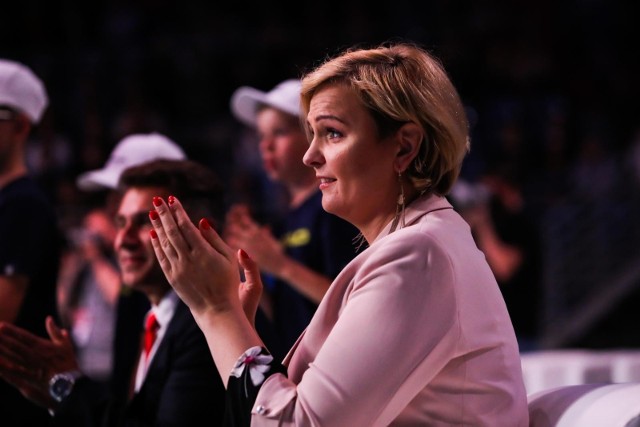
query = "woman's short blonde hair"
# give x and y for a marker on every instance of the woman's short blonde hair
(400, 83)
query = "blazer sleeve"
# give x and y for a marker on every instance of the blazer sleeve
(248, 375)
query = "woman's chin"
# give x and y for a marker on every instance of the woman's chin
(330, 205)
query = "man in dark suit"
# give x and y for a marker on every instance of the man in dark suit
(177, 382)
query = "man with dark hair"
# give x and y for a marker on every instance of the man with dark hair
(174, 380)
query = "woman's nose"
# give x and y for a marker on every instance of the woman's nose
(312, 157)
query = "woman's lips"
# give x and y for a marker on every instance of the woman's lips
(325, 182)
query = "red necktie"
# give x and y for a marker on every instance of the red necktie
(150, 332)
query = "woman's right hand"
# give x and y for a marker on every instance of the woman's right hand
(250, 290)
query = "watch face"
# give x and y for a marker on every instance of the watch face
(61, 385)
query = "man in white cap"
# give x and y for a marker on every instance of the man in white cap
(96, 309)
(132, 150)
(29, 235)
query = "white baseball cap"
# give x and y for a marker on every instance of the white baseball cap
(284, 97)
(22, 90)
(131, 151)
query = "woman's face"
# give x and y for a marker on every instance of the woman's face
(355, 168)
(282, 145)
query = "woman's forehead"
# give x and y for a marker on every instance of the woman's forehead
(333, 100)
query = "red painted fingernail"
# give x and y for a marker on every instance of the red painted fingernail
(171, 200)
(204, 224)
(244, 254)
(153, 234)
(153, 214)
(157, 201)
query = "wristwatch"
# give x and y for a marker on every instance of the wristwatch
(61, 384)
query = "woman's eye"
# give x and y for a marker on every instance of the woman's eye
(333, 134)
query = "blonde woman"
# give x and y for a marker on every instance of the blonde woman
(414, 331)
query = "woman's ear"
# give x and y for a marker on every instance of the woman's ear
(409, 138)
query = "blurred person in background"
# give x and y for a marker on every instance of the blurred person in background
(88, 290)
(303, 253)
(30, 239)
(494, 208)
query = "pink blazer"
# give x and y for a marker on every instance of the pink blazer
(413, 332)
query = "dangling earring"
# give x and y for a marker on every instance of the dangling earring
(359, 241)
(400, 203)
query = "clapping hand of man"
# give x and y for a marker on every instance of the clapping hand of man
(28, 361)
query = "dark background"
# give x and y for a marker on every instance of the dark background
(180, 61)
(551, 89)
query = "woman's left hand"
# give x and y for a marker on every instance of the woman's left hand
(204, 271)
(198, 264)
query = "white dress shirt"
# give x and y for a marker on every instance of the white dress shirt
(164, 312)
